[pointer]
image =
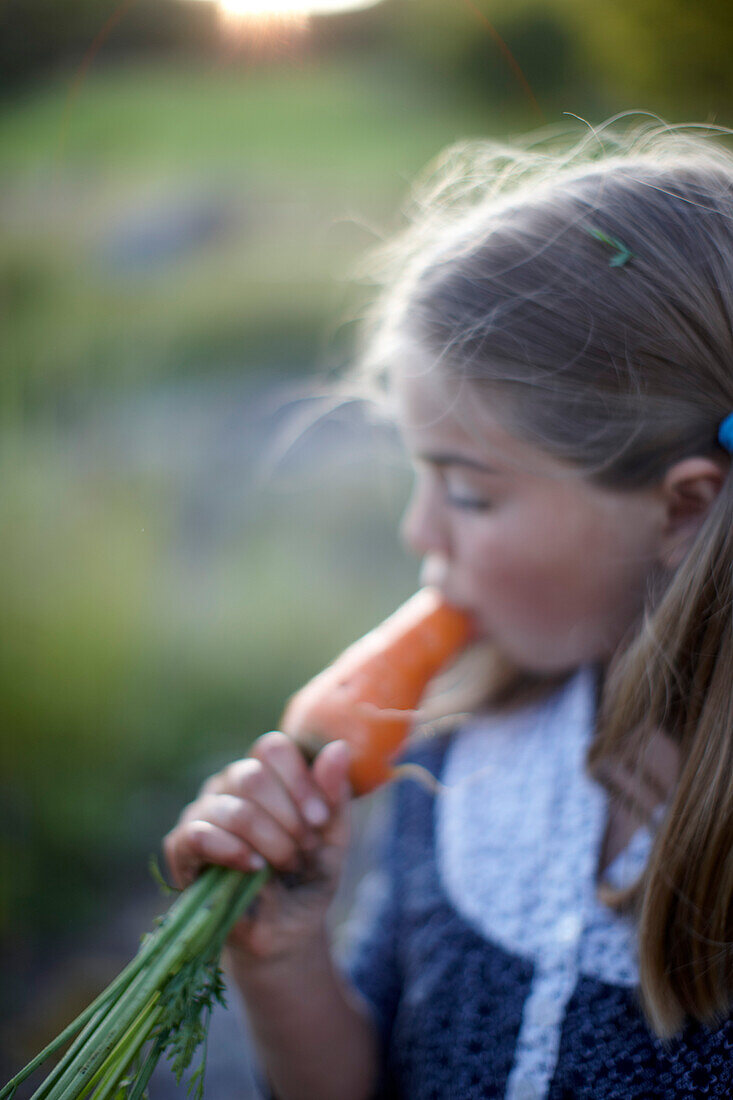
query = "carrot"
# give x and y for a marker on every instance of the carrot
(368, 696)
(161, 999)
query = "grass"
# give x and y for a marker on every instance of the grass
(305, 167)
(319, 121)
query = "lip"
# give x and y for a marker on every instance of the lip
(429, 578)
(456, 602)
(466, 609)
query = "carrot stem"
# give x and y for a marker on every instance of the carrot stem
(176, 916)
(202, 933)
(110, 1072)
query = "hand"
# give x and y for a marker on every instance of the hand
(271, 808)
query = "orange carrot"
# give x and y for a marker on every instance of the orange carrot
(368, 696)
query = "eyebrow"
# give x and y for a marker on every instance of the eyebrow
(442, 458)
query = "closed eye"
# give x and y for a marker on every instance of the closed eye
(455, 491)
(471, 504)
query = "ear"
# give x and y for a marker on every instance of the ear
(688, 490)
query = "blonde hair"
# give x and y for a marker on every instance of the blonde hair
(589, 291)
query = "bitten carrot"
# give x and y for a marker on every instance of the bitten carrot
(159, 1003)
(368, 696)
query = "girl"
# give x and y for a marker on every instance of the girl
(556, 342)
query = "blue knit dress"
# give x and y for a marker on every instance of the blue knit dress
(489, 964)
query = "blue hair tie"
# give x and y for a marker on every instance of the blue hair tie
(725, 433)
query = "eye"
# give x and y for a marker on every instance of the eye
(456, 489)
(467, 503)
(460, 492)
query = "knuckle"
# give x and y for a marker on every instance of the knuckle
(272, 745)
(198, 836)
(212, 784)
(192, 812)
(204, 808)
(242, 775)
(243, 819)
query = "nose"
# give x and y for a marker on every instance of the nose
(423, 528)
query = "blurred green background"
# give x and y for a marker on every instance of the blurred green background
(186, 536)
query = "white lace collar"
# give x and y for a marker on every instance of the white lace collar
(519, 825)
(519, 829)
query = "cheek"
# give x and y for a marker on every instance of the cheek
(527, 580)
(555, 592)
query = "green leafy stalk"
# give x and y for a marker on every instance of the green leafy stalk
(126, 1009)
(164, 996)
(111, 1071)
(172, 923)
(42, 1092)
(145, 1072)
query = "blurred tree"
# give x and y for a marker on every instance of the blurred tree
(665, 55)
(41, 35)
(508, 54)
(669, 56)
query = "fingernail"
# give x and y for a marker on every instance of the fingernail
(315, 812)
(256, 862)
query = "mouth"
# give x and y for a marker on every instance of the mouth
(430, 577)
(479, 632)
(459, 604)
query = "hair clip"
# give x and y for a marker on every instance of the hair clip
(725, 433)
(621, 254)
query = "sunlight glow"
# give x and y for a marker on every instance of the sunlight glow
(263, 9)
(270, 26)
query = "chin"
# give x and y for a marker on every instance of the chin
(542, 664)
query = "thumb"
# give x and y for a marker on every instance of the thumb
(330, 771)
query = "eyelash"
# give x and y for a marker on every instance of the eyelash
(468, 504)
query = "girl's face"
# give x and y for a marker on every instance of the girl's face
(553, 569)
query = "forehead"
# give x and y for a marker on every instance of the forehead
(439, 414)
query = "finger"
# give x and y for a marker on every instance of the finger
(254, 781)
(250, 823)
(331, 772)
(280, 753)
(189, 848)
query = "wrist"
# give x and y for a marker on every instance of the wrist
(256, 970)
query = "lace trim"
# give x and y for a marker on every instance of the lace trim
(519, 833)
